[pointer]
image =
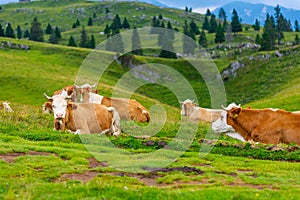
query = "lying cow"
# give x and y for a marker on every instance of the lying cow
(5, 106)
(83, 118)
(127, 108)
(221, 126)
(265, 125)
(194, 113)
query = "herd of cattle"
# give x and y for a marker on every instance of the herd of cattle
(80, 109)
(269, 126)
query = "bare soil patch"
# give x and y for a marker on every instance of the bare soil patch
(10, 157)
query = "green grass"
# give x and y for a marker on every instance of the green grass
(38, 163)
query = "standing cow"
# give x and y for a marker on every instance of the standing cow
(83, 118)
(196, 114)
(270, 126)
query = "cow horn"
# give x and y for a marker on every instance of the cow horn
(94, 85)
(224, 108)
(47, 97)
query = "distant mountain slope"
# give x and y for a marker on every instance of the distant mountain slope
(248, 12)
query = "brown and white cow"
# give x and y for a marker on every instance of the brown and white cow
(196, 114)
(127, 108)
(83, 118)
(270, 126)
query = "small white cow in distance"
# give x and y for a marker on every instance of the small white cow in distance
(196, 114)
(5, 106)
(82, 117)
(221, 126)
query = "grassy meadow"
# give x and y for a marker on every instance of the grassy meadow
(170, 158)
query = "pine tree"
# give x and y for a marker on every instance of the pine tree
(90, 22)
(160, 17)
(92, 42)
(107, 10)
(296, 26)
(220, 36)
(205, 25)
(297, 41)
(107, 30)
(269, 34)
(258, 39)
(1, 31)
(74, 25)
(83, 38)
(9, 32)
(256, 26)
(26, 34)
(136, 43)
(222, 15)
(208, 13)
(48, 30)
(125, 24)
(186, 9)
(19, 32)
(116, 24)
(72, 42)
(94, 15)
(280, 23)
(194, 28)
(213, 24)
(202, 39)
(235, 23)
(77, 22)
(57, 33)
(36, 31)
(189, 43)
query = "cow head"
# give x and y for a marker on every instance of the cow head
(59, 104)
(221, 125)
(83, 90)
(187, 107)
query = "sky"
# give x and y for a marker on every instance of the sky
(202, 5)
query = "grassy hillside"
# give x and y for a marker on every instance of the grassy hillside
(39, 163)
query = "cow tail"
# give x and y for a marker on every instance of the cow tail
(115, 122)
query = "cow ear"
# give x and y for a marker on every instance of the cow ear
(48, 105)
(236, 112)
(72, 106)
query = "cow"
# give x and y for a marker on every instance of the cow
(5, 106)
(128, 109)
(269, 126)
(220, 125)
(196, 114)
(82, 117)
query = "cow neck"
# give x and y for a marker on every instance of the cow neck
(242, 127)
(69, 120)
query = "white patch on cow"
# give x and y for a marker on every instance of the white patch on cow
(221, 126)
(274, 109)
(59, 106)
(64, 93)
(95, 98)
(236, 136)
(75, 132)
(144, 112)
